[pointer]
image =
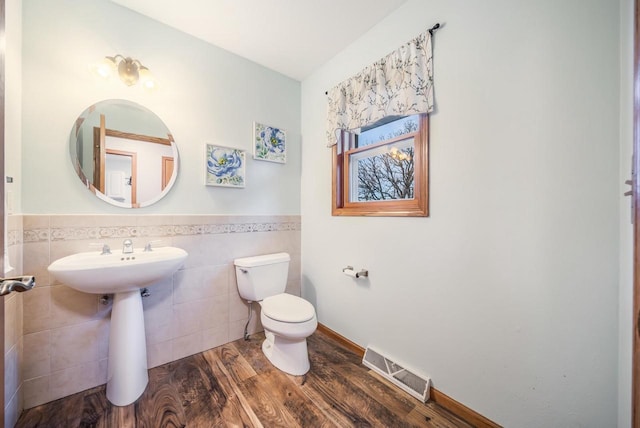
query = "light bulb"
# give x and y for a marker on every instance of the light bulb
(105, 68)
(146, 79)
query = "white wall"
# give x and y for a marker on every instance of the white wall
(206, 94)
(13, 102)
(625, 332)
(12, 167)
(507, 294)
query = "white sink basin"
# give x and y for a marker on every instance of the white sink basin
(123, 275)
(95, 273)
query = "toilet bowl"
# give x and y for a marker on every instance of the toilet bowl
(287, 319)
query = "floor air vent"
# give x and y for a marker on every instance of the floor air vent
(416, 385)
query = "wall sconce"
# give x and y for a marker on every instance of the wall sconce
(130, 71)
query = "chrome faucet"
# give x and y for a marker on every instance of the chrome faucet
(127, 246)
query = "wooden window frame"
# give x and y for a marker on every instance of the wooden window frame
(417, 207)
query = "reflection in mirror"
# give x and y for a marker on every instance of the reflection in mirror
(123, 153)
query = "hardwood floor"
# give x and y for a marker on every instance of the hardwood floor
(235, 385)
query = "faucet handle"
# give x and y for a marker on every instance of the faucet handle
(105, 247)
(148, 246)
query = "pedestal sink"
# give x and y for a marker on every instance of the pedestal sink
(124, 275)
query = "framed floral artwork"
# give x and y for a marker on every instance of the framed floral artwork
(224, 166)
(269, 143)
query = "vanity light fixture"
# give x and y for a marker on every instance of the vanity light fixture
(130, 71)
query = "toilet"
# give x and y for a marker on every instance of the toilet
(287, 319)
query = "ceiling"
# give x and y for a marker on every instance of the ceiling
(293, 37)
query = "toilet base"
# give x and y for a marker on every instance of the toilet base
(288, 355)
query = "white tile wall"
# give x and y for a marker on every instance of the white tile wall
(13, 327)
(65, 332)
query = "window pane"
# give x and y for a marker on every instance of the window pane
(386, 172)
(386, 131)
(383, 173)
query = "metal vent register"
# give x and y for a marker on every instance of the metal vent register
(417, 386)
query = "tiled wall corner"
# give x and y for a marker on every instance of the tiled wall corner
(14, 240)
(13, 326)
(197, 309)
(13, 359)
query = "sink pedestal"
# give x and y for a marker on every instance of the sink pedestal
(127, 376)
(122, 274)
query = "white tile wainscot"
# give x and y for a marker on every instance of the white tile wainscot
(196, 309)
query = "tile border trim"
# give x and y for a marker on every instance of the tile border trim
(44, 234)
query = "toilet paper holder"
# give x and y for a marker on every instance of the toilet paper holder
(349, 271)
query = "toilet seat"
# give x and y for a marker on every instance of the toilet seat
(287, 308)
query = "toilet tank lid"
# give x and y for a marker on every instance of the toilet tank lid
(265, 259)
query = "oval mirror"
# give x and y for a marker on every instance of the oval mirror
(123, 153)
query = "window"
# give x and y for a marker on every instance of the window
(382, 170)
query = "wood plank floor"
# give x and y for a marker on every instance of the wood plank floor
(235, 385)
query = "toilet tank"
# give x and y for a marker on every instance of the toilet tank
(262, 276)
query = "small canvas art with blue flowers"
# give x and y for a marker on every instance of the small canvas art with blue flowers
(270, 143)
(225, 166)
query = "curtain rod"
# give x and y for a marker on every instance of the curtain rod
(431, 31)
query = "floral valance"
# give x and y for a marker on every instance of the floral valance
(399, 84)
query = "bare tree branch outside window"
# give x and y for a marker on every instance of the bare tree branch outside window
(388, 175)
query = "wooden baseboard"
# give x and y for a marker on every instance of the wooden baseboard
(346, 343)
(461, 411)
(458, 409)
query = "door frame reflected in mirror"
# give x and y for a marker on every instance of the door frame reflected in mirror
(128, 178)
(120, 125)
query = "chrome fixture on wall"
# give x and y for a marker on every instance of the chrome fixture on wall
(349, 271)
(130, 71)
